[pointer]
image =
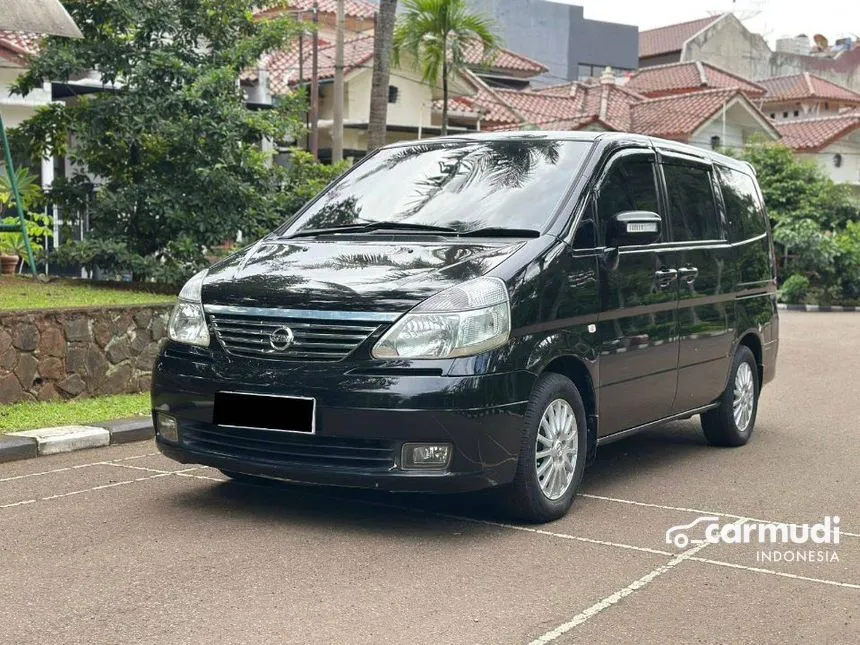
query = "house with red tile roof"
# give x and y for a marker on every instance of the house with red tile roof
(833, 142)
(715, 117)
(15, 46)
(685, 77)
(804, 96)
(665, 45)
(724, 41)
(410, 99)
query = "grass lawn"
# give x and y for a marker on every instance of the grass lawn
(26, 416)
(18, 292)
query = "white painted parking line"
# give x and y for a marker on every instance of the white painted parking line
(617, 597)
(69, 468)
(89, 490)
(687, 555)
(180, 473)
(698, 511)
(781, 574)
(563, 536)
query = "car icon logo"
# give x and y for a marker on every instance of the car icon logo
(281, 339)
(677, 535)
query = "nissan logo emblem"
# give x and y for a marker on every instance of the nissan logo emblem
(281, 339)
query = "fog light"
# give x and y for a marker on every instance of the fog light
(167, 427)
(426, 455)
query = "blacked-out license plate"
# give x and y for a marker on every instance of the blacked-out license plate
(287, 413)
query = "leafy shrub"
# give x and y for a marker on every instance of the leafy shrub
(795, 289)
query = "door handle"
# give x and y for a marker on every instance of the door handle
(665, 277)
(688, 274)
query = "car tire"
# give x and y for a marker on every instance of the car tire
(733, 422)
(532, 497)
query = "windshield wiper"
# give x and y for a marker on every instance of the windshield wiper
(492, 231)
(376, 226)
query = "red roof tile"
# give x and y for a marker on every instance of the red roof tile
(814, 134)
(679, 116)
(283, 65)
(353, 8)
(806, 86)
(671, 38)
(15, 45)
(677, 78)
(570, 106)
(503, 59)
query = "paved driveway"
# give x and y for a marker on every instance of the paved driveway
(119, 545)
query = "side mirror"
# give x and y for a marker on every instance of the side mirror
(630, 228)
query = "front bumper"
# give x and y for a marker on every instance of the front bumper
(362, 422)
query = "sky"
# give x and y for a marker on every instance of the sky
(771, 18)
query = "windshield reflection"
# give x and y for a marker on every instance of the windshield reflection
(462, 185)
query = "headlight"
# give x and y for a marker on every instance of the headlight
(187, 322)
(461, 321)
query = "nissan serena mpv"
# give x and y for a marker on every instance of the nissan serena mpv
(479, 311)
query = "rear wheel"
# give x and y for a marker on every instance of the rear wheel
(552, 454)
(733, 422)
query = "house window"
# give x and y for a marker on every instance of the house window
(797, 113)
(837, 160)
(826, 106)
(715, 142)
(773, 115)
(785, 115)
(393, 94)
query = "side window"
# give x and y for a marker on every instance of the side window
(746, 218)
(629, 185)
(692, 208)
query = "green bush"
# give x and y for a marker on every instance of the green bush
(815, 226)
(795, 289)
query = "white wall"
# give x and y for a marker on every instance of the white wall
(741, 125)
(805, 110)
(414, 100)
(16, 109)
(849, 171)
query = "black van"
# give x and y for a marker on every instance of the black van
(479, 311)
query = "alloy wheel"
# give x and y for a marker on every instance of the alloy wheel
(744, 400)
(556, 449)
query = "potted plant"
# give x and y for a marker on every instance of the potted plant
(10, 252)
(12, 247)
(39, 225)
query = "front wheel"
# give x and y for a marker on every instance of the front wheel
(553, 452)
(732, 423)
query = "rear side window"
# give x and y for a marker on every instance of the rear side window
(628, 186)
(692, 209)
(746, 218)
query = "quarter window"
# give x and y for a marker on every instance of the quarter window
(692, 209)
(746, 219)
(628, 186)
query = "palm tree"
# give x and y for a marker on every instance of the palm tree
(436, 33)
(382, 55)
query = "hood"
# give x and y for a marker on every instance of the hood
(387, 275)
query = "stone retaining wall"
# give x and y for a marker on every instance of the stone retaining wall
(78, 353)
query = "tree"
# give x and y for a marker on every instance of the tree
(814, 223)
(168, 161)
(382, 55)
(436, 33)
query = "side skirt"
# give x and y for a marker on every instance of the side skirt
(623, 434)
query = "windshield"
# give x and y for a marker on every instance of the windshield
(461, 186)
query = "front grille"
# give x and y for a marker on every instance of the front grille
(287, 448)
(314, 340)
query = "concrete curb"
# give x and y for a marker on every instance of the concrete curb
(819, 308)
(50, 441)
